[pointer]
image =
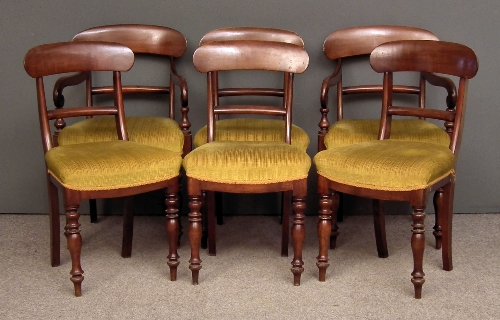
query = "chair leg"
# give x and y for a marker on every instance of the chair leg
(417, 247)
(438, 207)
(128, 227)
(340, 210)
(55, 225)
(285, 221)
(324, 231)
(446, 221)
(210, 205)
(379, 223)
(93, 210)
(74, 238)
(204, 221)
(218, 208)
(172, 228)
(298, 234)
(334, 208)
(195, 231)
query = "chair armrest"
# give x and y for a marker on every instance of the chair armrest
(179, 81)
(64, 82)
(328, 82)
(446, 83)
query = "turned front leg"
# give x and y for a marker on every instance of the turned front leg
(335, 205)
(438, 201)
(298, 234)
(417, 247)
(195, 231)
(324, 231)
(74, 238)
(172, 226)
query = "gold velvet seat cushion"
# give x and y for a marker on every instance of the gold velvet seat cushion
(247, 162)
(111, 165)
(245, 129)
(153, 131)
(391, 165)
(351, 131)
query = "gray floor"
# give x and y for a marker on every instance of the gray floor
(248, 279)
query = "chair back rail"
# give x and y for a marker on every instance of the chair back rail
(252, 33)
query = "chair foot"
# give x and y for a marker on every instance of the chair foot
(322, 266)
(417, 284)
(297, 273)
(77, 282)
(173, 269)
(194, 274)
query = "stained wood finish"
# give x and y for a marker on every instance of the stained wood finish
(462, 63)
(250, 55)
(57, 58)
(213, 58)
(252, 33)
(142, 40)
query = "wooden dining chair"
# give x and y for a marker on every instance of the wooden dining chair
(247, 166)
(349, 48)
(396, 169)
(147, 41)
(98, 169)
(247, 128)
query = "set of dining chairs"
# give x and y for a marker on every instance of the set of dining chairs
(250, 145)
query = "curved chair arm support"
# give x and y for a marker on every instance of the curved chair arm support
(328, 82)
(446, 83)
(179, 81)
(64, 82)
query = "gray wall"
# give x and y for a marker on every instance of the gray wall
(25, 24)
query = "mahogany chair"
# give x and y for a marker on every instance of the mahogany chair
(355, 45)
(251, 129)
(247, 166)
(401, 170)
(102, 169)
(164, 132)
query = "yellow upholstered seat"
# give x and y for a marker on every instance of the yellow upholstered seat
(244, 129)
(390, 165)
(152, 131)
(247, 163)
(111, 165)
(351, 131)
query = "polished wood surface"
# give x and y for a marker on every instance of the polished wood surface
(52, 59)
(252, 33)
(417, 56)
(214, 58)
(250, 55)
(346, 42)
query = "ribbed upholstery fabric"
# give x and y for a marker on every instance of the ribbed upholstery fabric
(111, 165)
(152, 131)
(247, 163)
(245, 129)
(351, 131)
(392, 165)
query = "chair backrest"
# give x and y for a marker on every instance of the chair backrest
(360, 41)
(213, 58)
(81, 57)
(143, 39)
(428, 57)
(252, 33)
